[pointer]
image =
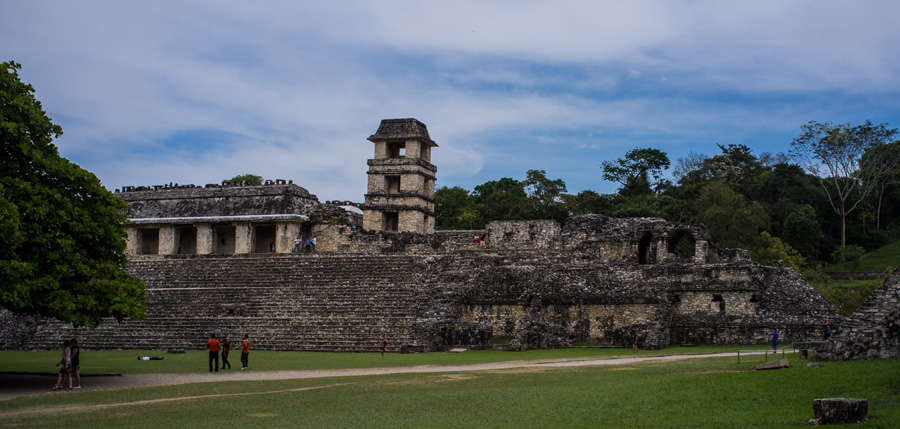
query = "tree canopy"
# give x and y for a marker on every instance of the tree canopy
(62, 246)
(244, 179)
(849, 162)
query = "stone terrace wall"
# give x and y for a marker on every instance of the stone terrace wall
(873, 331)
(539, 300)
(535, 284)
(336, 303)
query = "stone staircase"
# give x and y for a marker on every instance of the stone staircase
(291, 302)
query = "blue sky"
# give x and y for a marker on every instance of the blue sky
(200, 91)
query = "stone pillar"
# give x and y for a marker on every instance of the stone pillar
(243, 238)
(167, 240)
(132, 241)
(700, 251)
(205, 243)
(285, 233)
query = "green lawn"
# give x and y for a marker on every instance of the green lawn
(125, 361)
(880, 259)
(712, 392)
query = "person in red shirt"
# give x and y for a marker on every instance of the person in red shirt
(245, 352)
(213, 346)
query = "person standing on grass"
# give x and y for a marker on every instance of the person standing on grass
(245, 351)
(76, 362)
(383, 347)
(213, 346)
(226, 347)
(634, 347)
(66, 364)
(775, 340)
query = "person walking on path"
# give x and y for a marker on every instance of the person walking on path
(76, 363)
(66, 364)
(775, 340)
(245, 351)
(213, 346)
(226, 347)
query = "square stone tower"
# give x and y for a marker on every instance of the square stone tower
(400, 194)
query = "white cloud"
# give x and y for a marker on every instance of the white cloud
(302, 84)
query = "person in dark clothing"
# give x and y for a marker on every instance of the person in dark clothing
(226, 347)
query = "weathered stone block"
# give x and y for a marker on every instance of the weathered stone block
(832, 411)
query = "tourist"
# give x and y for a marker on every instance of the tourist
(313, 244)
(827, 330)
(296, 248)
(76, 362)
(482, 239)
(634, 340)
(308, 244)
(245, 351)
(149, 358)
(226, 348)
(775, 340)
(383, 347)
(271, 245)
(66, 363)
(213, 346)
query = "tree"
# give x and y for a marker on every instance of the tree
(635, 171)
(834, 155)
(732, 221)
(62, 246)
(802, 231)
(503, 199)
(546, 195)
(449, 206)
(244, 179)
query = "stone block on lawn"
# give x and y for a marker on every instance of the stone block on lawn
(775, 364)
(839, 410)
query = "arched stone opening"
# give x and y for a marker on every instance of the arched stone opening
(682, 244)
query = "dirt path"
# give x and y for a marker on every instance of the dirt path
(15, 386)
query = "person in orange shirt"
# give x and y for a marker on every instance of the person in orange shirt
(245, 351)
(213, 346)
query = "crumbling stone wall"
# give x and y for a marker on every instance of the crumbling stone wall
(872, 331)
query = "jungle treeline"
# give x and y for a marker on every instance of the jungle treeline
(831, 196)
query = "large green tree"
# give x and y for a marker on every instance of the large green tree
(834, 154)
(639, 172)
(62, 246)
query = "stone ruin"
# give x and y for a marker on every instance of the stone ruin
(382, 274)
(872, 331)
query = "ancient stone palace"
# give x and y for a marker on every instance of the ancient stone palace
(220, 259)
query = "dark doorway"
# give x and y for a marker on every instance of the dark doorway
(149, 239)
(224, 240)
(645, 255)
(391, 221)
(186, 239)
(265, 235)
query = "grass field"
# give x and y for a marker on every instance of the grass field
(880, 259)
(710, 392)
